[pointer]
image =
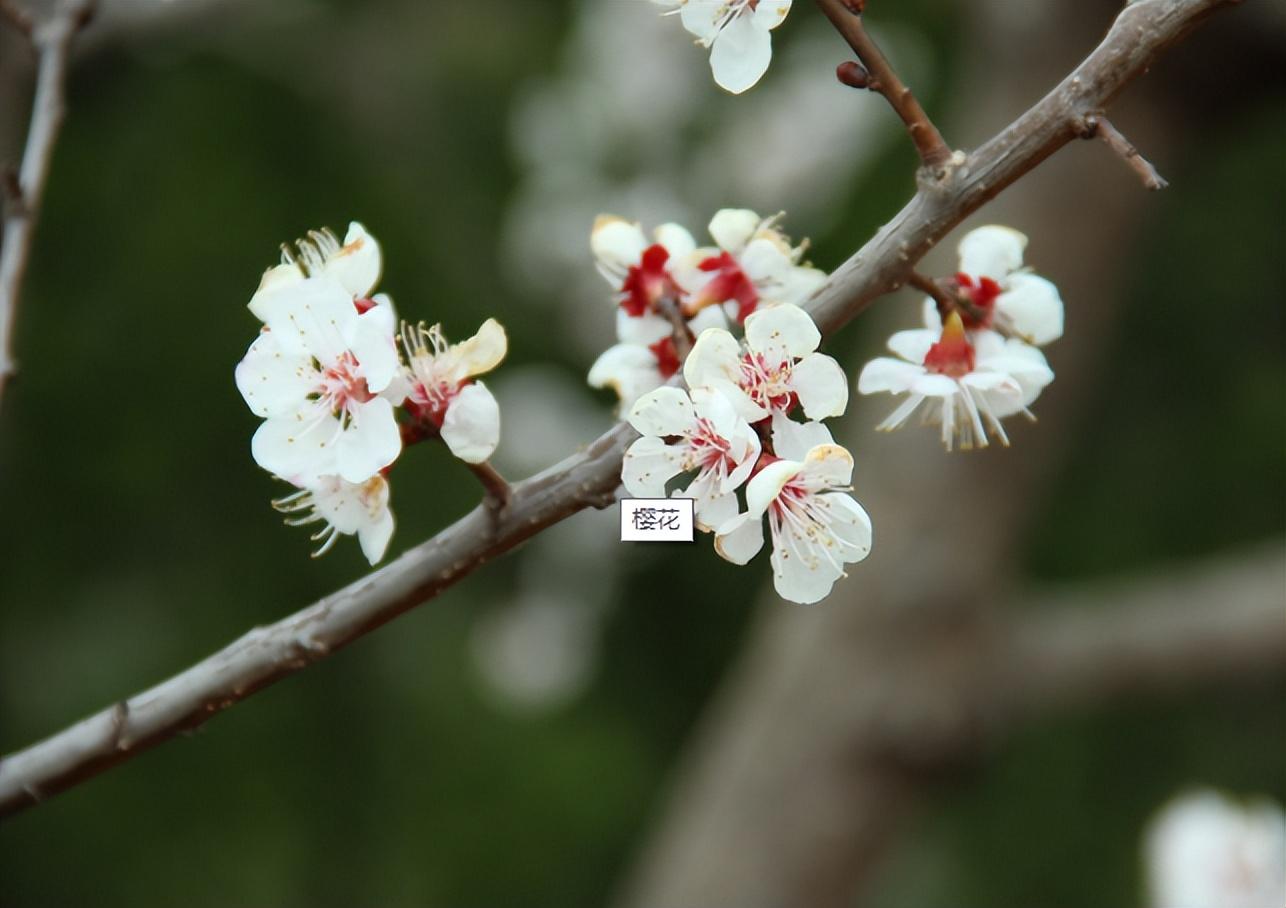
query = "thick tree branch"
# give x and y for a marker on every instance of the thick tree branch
(265, 655)
(51, 37)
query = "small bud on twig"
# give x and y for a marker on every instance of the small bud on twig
(853, 74)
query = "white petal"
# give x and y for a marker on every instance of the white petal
(798, 579)
(798, 284)
(931, 385)
(676, 239)
(793, 440)
(372, 342)
(768, 483)
(1032, 307)
(740, 539)
(913, 346)
(617, 243)
(716, 511)
(992, 251)
(714, 406)
(715, 362)
(887, 374)
(628, 369)
(471, 427)
(645, 329)
(299, 448)
(851, 524)
(740, 54)
(358, 263)
(782, 332)
(484, 351)
(665, 411)
(827, 466)
(821, 386)
(932, 319)
(274, 279)
(314, 316)
(648, 465)
(701, 17)
(766, 263)
(732, 228)
(771, 13)
(709, 317)
(370, 442)
(272, 381)
(374, 536)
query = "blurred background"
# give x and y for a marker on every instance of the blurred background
(549, 732)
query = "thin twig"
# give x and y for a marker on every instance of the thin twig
(499, 492)
(52, 40)
(680, 332)
(1099, 126)
(880, 76)
(1138, 37)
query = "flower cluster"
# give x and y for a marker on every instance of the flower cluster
(667, 279)
(737, 33)
(327, 377)
(976, 361)
(734, 431)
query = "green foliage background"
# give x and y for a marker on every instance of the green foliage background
(136, 537)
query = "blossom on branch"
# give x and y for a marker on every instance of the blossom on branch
(315, 374)
(344, 508)
(816, 526)
(968, 384)
(737, 33)
(442, 396)
(1000, 293)
(778, 369)
(752, 266)
(707, 436)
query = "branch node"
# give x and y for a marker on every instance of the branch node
(499, 493)
(1097, 126)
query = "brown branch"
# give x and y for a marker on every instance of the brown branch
(499, 492)
(51, 37)
(1098, 126)
(265, 655)
(680, 332)
(877, 74)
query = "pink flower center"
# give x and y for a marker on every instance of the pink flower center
(648, 281)
(766, 384)
(342, 386)
(729, 283)
(709, 449)
(981, 295)
(428, 401)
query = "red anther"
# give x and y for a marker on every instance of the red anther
(853, 74)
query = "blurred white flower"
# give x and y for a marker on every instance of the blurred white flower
(737, 33)
(441, 393)
(968, 384)
(1205, 850)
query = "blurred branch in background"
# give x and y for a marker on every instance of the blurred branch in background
(1140, 34)
(51, 32)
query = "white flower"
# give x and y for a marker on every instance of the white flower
(753, 266)
(737, 33)
(345, 508)
(315, 374)
(970, 387)
(816, 527)
(640, 270)
(710, 438)
(441, 394)
(646, 357)
(779, 368)
(355, 264)
(1205, 850)
(1002, 294)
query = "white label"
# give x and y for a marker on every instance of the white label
(657, 520)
